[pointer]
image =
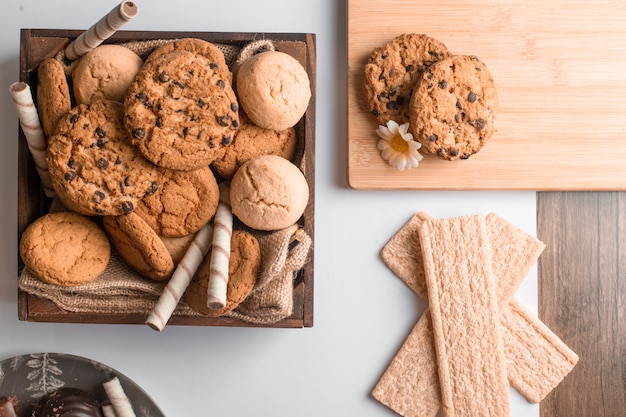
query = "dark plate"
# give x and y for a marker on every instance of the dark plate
(34, 375)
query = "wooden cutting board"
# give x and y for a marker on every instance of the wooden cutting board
(560, 70)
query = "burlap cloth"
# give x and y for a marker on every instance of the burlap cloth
(120, 290)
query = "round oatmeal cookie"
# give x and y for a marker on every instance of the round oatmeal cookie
(65, 248)
(274, 89)
(139, 246)
(268, 193)
(94, 168)
(243, 271)
(180, 112)
(250, 141)
(216, 58)
(453, 108)
(53, 94)
(105, 74)
(185, 201)
(393, 70)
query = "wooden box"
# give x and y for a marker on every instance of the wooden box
(37, 44)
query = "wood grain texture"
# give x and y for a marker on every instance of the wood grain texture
(37, 44)
(582, 297)
(559, 72)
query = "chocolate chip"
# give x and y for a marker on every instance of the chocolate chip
(226, 140)
(127, 181)
(465, 156)
(235, 124)
(127, 206)
(400, 100)
(221, 83)
(213, 66)
(85, 126)
(434, 54)
(142, 97)
(472, 97)
(408, 68)
(158, 122)
(429, 86)
(100, 143)
(433, 138)
(118, 160)
(440, 152)
(155, 187)
(201, 102)
(385, 55)
(234, 107)
(139, 133)
(71, 163)
(100, 195)
(101, 133)
(223, 121)
(381, 76)
(102, 163)
(391, 105)
(164, 77)
(179, 84)
(70, 175)
(459, 105)
(457, 118)
(375, 113)
(185, 132)
(74, 117)
(480, 124)
(430, 76)
(453, 152)
(443, 84)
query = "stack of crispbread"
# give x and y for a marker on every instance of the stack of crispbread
(475, 335)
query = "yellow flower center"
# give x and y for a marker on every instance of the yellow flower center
(399, 144)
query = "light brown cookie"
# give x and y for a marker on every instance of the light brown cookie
(105, 73)
(184, 202)
(177, 246)
(453, 107)
(53, 94)
(250, 141)
(139, 246)
(268, 193)
(65, 248)
(274, 89)
(180, 112)
(93, 167)
(196, 46)
(243, 270)
(392, 72)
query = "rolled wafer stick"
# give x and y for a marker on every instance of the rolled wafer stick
(537, 360)
(31, 126)
(119, 401)
(220, 252)
(178, 283)
(108, 411)
(102, 30)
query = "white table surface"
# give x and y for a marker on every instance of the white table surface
(363, 312)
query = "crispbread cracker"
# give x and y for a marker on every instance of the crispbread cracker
(410, 385)
(464, 310)
(537, 359)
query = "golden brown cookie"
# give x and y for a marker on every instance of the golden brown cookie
(93, 167)
(453, 108)
(53, 94)
(177, 246)
(184, 202)
(274, 89)
(65, 248)
(243, 270)
(269, 193)
(180, 112)
(392, 72)
(139, 246)
(105, 74)
(250, 141)
(198, 47)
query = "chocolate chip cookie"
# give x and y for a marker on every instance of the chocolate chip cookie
(453, 107)
(393, 70)
(94, 168)
(180, 112)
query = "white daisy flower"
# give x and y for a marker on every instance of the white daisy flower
(397, 146)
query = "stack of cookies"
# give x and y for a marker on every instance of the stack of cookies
(450, 101)
(136, 150)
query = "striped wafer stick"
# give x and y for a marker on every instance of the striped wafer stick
(108, 411)
(31, 126)
(537, 360)
(464, 310)
(220, 252)
(102, 30)
(119, 401)
(182, 276)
